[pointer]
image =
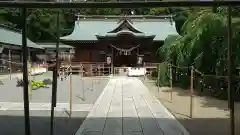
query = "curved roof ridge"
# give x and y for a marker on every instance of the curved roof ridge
(126, 20)
(125, 32)
(118, 16)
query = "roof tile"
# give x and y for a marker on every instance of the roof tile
(88, 29)
(13, 37)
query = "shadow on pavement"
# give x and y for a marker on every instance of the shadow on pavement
(208, 126)
(14, 125)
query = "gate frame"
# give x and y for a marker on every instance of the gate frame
(25, 5)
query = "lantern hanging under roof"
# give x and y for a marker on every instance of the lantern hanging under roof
(140, 60)
(109, 60)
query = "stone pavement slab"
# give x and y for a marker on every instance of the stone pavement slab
(127, 107)
(113, 123)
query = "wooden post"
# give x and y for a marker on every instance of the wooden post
(112, 62)
(113, 72)
(30, 89)
(144, 77)
(103, 70)
(25, 73)
(29, 79)
(91, 67)
(29, 55)
(170, 74)
(92, 84)
(10, 64)
(158, 77)
(70, 92)
(99, 69)
(170, 70)
(191, 92)
(83, 90)
(82, 70)
(231, 91)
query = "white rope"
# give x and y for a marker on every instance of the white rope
(125, 51)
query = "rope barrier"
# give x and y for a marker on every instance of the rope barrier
(199, 82)
(209, 75)
(202, 75)
(186, 67)
(195, 70)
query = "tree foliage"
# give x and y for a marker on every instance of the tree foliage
(203, 44)
(41, 23)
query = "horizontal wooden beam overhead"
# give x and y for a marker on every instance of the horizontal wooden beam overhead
(170, 3)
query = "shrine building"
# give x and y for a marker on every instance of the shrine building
(121, 40)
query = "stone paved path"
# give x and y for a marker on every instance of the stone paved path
(127, 107)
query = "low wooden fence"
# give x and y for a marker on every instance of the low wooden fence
(89, 68)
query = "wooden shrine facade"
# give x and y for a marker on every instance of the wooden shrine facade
(128, 41)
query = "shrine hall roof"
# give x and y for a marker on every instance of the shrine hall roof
(13, 37)
(88, 29)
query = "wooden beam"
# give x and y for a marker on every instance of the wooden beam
(121, 4)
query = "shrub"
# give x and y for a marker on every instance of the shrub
(163, 76)
(154, 74)
(1, 83)
(47, 81)
(19, 82)
(37, 84)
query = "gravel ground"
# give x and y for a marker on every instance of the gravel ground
(12, 121)
(210, 116)
(90, 88)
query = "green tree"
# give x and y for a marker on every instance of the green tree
(42, 24)
(204, 44)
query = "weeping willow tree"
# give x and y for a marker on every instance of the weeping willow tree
(203, 44)
(167, 53)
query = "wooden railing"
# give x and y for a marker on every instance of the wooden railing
(89, 68)
(150, 65)
(101, 68)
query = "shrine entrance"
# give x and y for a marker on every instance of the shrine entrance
(126, 57)
(125, 60)
(126, 43)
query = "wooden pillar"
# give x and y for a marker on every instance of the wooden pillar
(29, 55)
(25, 73)
(231, 92)
(91, 69)
(70, 91)
(21, 57)
(103, 70)
(112, 62)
